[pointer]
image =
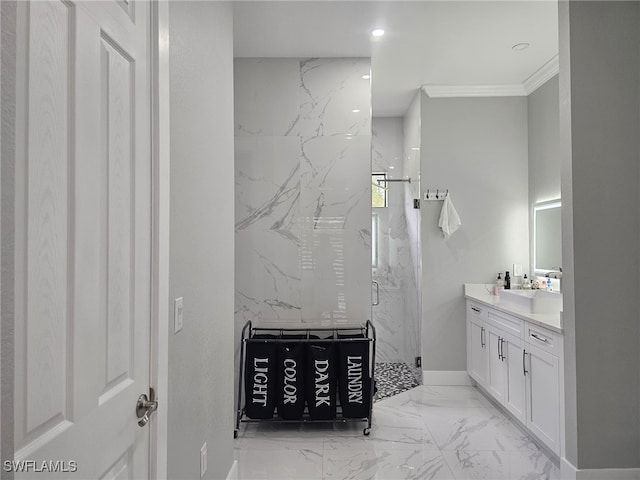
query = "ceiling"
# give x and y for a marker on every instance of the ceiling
(445, 43)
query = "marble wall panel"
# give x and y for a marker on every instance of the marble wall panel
(266, 101)
(268, 275)
(335, 182)
(334, 98)
(303, 211)
(336, 275)
(267, 190)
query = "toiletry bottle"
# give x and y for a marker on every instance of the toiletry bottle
(526, 284)
(500, 283)
(549, 284)
(507, 281)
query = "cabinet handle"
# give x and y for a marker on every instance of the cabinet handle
(539, 338)
(477, 310)
(482, 339)
(524, 367)
(499, 352)
(502, 342)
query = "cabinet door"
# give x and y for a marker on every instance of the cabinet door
(477, 351)
(496, 378)
(515, 391)
(543, 396)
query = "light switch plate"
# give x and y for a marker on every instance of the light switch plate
(517, 269)
(178, 315)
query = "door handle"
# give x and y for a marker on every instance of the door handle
(146, 406)
(377, 302)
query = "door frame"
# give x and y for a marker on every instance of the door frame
(160, 210)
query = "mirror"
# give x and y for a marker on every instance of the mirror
(547, 237)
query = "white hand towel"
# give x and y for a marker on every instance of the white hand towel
(449, 219)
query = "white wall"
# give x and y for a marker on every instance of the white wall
(7, 217)
(600, 122)
(544, 147)
(544, 142)
(476, 148)
(201, 243)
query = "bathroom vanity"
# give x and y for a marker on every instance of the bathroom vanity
(515, 355)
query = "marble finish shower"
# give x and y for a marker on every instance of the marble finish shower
(395, 260)
(303, 196)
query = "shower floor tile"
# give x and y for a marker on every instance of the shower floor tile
(392, 379)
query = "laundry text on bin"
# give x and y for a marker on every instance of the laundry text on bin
(260, 380)
(322, 383)
(354, 374)
(290, 374)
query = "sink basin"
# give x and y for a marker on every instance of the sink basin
(533, 301)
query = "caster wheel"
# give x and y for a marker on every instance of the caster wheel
(366, 431)
(235, 434)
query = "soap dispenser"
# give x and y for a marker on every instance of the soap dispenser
(526, 284)
(499, 284)
(507, 281)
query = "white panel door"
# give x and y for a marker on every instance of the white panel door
(514, 395)
(496, 376)
(543, 396)
(477, 351)
(83, 238)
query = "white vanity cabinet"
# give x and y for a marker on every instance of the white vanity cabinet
(542, 365)
(505, 379)
(518, 364)
(477, 351)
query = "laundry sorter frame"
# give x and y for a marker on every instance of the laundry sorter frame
(247, 336)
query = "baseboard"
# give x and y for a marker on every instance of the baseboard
(569, 472)
(233, 472)
(445, 377)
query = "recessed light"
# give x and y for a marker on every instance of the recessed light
(366, 76)
(391, 167)
(378, 32)
(520, 46)
(355, 110)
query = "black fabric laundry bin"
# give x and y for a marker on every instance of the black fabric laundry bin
(290, 394)
(260, 378)
(321, 381)
(354, 379)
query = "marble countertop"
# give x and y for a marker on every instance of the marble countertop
(481, 292)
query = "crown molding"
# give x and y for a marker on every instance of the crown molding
(542, 75)
(530, 85)
(447, 91)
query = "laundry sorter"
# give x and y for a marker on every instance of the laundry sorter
(323, 374)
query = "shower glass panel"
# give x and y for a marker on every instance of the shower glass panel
(394, 259)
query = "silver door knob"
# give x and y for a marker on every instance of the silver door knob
(146, 406)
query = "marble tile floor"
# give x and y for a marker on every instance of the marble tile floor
(423, 433)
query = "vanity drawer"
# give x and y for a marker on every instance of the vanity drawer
(506, 323)
(543, 339)
(477, 311)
